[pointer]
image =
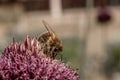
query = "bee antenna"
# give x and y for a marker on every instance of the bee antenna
(14, 40)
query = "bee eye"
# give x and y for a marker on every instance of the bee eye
(56, 49)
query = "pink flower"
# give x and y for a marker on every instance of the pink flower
(25, 61)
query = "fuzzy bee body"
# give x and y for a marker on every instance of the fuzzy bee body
(52, 45)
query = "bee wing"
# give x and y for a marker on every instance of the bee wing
(49, 29)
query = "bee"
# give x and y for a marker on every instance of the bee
(52, 45)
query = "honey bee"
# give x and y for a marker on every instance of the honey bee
(52, 45)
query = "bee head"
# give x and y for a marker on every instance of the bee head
(57, 44)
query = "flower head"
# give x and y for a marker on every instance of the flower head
(26, 61)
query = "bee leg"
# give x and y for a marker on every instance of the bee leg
(61, 57)
(45, 49)
(51, 53)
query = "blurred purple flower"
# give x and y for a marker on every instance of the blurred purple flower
(25, 61)
(104, 16)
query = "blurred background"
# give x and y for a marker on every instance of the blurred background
(89, 29)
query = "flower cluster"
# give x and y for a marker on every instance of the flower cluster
(25, 61)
